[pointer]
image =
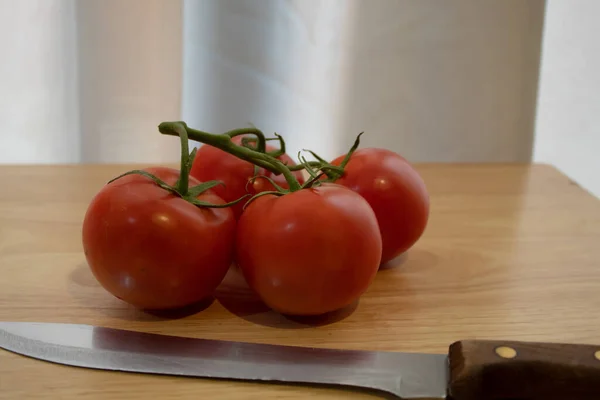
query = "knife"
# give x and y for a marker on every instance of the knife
(472, 370)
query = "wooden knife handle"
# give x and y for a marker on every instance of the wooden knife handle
(495, 370)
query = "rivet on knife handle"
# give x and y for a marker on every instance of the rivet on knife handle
(490, 370)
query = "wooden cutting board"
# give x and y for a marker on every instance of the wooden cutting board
(511, 252)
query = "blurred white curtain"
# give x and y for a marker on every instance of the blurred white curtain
(567, 126)
(39, 111)
(88, 81)
(434, 80)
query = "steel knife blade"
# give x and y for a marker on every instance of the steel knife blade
(472, 370)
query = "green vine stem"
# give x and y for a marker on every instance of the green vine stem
(333, 172)
(246, 141)
(184, 174)
(261, 145)
(281, 150)
(300, 167)
(181, 187)
(351, 151)
(224, 142)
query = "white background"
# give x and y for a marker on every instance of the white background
(568, 114)
(454, 81)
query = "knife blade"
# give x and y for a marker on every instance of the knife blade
(472, 370)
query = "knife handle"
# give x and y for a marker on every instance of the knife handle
(494, 370)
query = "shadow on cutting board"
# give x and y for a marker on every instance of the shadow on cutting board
(237, 298)
(233, 294)
(86, 290)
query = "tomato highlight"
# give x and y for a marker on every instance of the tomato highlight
(311, 251)
(161, 238)
(396, 193)
(158, 239)
(307, 249)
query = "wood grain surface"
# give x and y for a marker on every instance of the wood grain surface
(511, 252)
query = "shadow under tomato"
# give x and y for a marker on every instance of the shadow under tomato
(85, 289)
(237, 298)
(182, 312)
(395, 262)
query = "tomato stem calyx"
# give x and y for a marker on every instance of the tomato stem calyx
(336, 172)
(352, 150)
(181, 187)
(224, 142)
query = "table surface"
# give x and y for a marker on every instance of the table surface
(511, 252)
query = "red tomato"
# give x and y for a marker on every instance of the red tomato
(396, 193)
(311, 251)
(154, 249)
(214, 164)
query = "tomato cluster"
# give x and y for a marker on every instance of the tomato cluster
(162, 238)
